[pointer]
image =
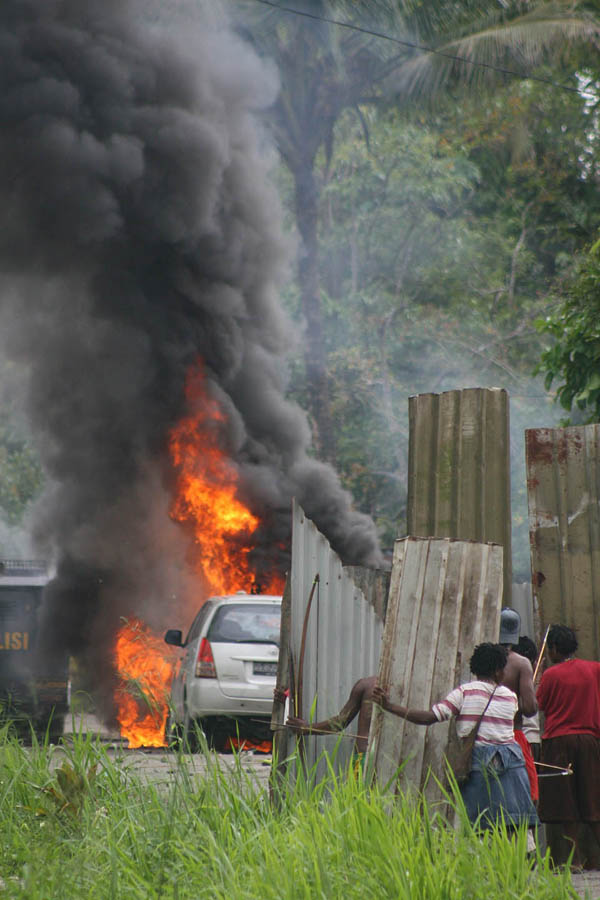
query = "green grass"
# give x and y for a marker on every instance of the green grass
(91, 829)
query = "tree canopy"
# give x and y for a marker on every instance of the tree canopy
(573, 360)
(326, 70)
(20, 473)
(441, 232)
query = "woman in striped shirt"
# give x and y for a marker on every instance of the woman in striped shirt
(498, 786)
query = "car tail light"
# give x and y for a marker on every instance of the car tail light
(205, 664)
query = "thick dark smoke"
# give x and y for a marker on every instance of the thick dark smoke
(138, 231)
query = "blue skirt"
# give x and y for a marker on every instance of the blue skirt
(498, 788)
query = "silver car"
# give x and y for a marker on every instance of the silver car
(225, 677)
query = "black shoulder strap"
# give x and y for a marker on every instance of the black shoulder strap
(485, 709)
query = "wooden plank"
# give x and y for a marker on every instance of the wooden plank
(445, 597)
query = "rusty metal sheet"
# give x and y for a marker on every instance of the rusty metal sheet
(459, 468)
(445, 597)
(343, 631)
(563, 488)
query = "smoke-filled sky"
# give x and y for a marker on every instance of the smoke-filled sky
(138, 231)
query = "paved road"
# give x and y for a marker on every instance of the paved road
(159, 765)
(587, 884)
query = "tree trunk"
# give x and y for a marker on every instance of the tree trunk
(315, 355)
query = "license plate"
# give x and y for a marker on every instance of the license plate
(264, 668)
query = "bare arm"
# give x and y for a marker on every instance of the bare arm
(526, 693)
(418, 716)
(336, 723)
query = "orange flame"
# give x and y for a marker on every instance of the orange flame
(239, 744)
(223, 528)
(207, 497)
(145, 675)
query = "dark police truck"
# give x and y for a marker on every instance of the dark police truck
(34, 683)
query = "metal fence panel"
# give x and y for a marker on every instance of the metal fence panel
(343, 632)
(522, 601)
(563, 488)
(459, 468)
(563, 483)
(445, 597)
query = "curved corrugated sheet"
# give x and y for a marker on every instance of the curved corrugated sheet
(344, 631)
(459, 468)
(563, 487)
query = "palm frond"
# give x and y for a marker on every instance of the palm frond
(516, 45)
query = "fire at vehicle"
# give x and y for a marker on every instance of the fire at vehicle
(145, 677)
(222, 528)
(207, 499)
(145, 233)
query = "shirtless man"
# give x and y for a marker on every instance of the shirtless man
(360, 702)
(518, 676)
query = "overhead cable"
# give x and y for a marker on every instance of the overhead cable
(415, 46)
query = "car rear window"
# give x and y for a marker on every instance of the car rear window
(248, 623)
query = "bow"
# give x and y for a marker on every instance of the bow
(300, 680)
(541, 655)
(560, 770)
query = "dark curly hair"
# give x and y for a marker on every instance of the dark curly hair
(526, 647)
(562, 639)
(487, 659)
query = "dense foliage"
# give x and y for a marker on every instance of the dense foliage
(574, 358)
(442, 234)
(77, 823)
(435, 203)
(327, 70)
(20, 473)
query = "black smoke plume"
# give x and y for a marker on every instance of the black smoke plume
(139, 232)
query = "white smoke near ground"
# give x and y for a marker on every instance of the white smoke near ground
(138, 232)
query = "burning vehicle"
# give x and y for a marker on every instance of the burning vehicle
(142, 260)
(34, 682)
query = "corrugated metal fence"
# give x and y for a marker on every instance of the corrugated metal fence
(343, 631)
(459, 468)
(523, 603)
(563, 482)
(563, 487)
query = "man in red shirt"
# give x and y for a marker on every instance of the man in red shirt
(569, 695)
